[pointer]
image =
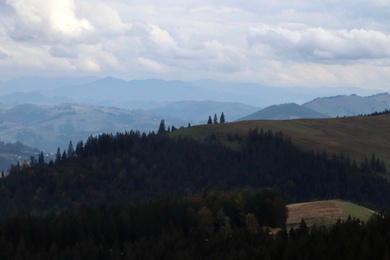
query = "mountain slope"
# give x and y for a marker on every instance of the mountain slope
(350, 105)
(284, 111)
(49, 127)
(12, 153)
(120, 93)
(359, 136)
(199, 111)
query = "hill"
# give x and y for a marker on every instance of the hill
(152, 93)
(359, 137)
(12, 153)
(325, 212)
(351, 105)
(199, 111)
(282, 112)
(50, 127)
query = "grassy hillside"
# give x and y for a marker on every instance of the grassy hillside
(325, 212)
(358, 137)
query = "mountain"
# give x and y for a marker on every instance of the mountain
(344, 105)
(49, 127)
(41, 85)
(199, 111)
(153, 93)
(263, 96)
(358, 137)
(284, 111)
(12, 153)
(135, 94)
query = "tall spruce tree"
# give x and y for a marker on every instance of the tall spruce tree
(161, 128)
(215, 121)
(222, 118)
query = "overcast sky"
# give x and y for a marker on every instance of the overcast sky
(308, 43)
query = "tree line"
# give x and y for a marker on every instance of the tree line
(215, 119)
(132, 167)
(190, 228)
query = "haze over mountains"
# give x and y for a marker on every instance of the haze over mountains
(153, 93)
(48, 113)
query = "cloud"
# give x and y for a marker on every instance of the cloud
(3, 54)
(305, 43)
(152, 36)
(152, 65)
(320, 44)
(46, 20)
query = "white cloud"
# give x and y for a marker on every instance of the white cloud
(46, 20)
(152, 36)
(319, 44)
(306, 43)
(3, 54)
(152, 65)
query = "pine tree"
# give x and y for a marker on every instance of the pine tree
(209, 122)
(41, 159)
(58, 155)
(222, 118)
(70, 150)
(161, 128)
(215, 119)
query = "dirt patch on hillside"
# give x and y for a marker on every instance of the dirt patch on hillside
(319, 212)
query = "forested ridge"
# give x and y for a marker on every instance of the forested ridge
(129, 167)
(127, 173)
(173, 230)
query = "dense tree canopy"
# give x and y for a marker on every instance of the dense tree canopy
(128, 167)
(133, 195)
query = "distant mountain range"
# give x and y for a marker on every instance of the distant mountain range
(154, 93)
(50, 127)
(350, 105)
(336, 106)
(199, 111)
(48, 113)
(12, 153)
(283, 112)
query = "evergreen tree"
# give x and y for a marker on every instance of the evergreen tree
(70, 150)
(58, 155)
(215, 119)
(209, 122)
(161, 128)
(41, 159)
(79, 148)
(222, 118)
(32, 160)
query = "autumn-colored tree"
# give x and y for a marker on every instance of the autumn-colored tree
(251, 223)
(205, 222)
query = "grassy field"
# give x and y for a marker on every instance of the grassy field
(354, 210)
(325, 212)
(359, 137)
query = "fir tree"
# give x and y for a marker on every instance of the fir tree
(215, 119)
(222, 118)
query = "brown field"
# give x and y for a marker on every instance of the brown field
(319, 212)
(325, 212)
(359, 137)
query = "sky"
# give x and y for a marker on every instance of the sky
(285, 43)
